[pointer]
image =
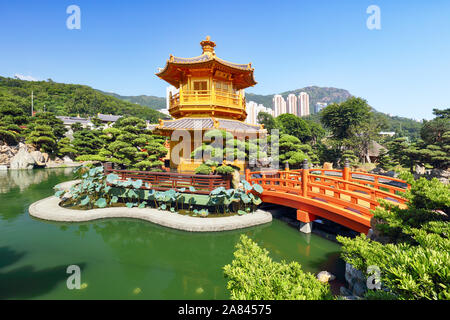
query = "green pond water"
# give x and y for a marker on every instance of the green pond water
(125, 258)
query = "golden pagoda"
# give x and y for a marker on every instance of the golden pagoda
(209, 94)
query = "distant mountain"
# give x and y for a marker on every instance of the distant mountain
(156, 103)
(316, 94)
(401, 125)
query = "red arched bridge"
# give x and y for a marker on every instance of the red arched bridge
(342, 196)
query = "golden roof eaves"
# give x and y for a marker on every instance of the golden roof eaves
(202, 59)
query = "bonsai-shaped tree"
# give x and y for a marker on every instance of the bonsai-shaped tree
(291, 150)
(11, 118)
(131, 145)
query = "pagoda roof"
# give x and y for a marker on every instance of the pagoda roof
(209, 123)
(176, 66)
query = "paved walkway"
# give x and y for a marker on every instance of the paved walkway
(49, 209)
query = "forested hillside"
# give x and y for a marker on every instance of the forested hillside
(68, 99)
(156, 103)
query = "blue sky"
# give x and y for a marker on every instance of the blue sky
(402, 69)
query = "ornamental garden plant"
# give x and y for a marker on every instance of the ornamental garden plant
(411, 246)
(97, 190)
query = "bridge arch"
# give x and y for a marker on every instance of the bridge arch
(341, 196)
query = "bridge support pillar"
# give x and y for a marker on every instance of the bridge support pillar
(306, 219)
(305, 227)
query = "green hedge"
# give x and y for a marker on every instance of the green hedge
(253, 275)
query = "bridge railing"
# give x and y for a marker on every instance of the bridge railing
(203, 184)
(342, 190)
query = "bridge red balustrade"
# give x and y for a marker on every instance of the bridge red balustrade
(161, 181)
(341, 196)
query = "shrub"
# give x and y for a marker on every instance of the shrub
(430, 194)
(415, 263)
(224, 170)
(203, 169)
(253, 275)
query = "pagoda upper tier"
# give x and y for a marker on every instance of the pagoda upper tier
(178, 69)
(207, 85)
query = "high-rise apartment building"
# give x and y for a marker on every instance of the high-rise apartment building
(292, 104)
(319, 106)
(303, 103)
(279, 105)
(253, 109)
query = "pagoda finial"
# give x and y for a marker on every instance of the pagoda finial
(208, 46)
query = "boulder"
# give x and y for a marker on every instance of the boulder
(419, 169)
(325, 276)
(6, 153)
(442, 175)
(378, 170)
(359, 289)
(38, 158)
(67, 159)
(22, 160)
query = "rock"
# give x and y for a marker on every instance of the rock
(327, 165)
(344, 291)
(350, 297)
(419, 169)
(38, 158)
(391, 174)
(7, 153)
(378, 170)
(325, 276)
(22, 160)
(359, 289)
(66, 159)
(440, 174)
(4, 158)
(45, 156)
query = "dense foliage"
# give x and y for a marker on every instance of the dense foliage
(432, 150)
(415, 259)
(353, 126)
(153, 102)
(68, 99)
(127, 143)
(220, 146)
(253, 275)
(12, 120)
(293, 151)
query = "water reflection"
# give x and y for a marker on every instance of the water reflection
(23, 179)
(26, 281)
(122, 255)
(167, 263)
